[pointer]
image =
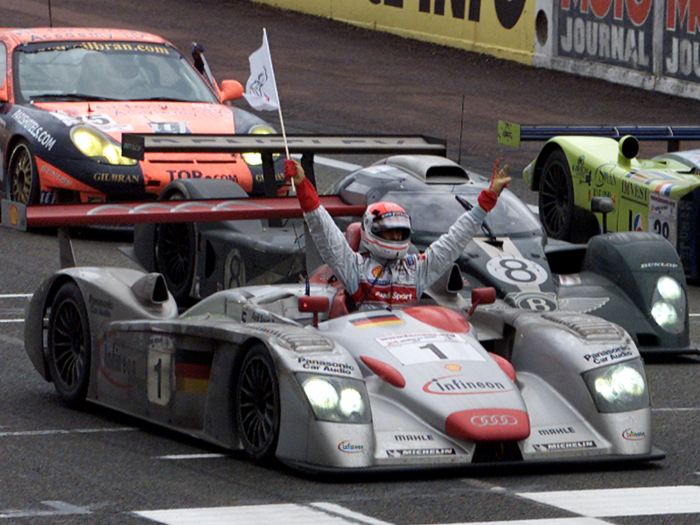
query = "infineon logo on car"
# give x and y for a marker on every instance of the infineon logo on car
(455, 386)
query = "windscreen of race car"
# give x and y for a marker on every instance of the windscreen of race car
(435, 215)
(107, 71)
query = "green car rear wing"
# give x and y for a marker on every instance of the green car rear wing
(511, 134)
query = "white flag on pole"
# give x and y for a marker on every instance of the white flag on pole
(261, 88)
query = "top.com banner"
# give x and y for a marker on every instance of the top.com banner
(501, 28)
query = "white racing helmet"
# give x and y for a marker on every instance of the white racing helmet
(380, 217)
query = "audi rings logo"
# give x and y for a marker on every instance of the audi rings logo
(495, 420)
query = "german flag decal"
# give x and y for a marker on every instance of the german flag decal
(192, 370)
(377, 320)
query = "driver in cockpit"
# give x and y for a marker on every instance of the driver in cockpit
(383, 271)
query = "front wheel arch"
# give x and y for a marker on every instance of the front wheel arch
(539, 164)
(45, 309)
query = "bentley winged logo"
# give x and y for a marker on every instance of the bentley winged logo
(256, 87)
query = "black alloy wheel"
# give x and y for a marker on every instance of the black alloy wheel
(175, 255)
(556, 197)
(258, 405)
(23, 178)
(69, 345)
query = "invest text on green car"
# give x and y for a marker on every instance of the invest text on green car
(577, 164)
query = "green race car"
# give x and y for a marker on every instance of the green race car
(578, 166)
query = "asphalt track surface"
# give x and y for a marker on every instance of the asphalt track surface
(61, 466)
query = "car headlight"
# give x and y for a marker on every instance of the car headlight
(618, 388)
(336, 399)
(99, 147)
(668, 305)
(255, 159)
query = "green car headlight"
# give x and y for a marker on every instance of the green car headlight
(668, 305)
(99, 147)
(618, 388)
(255, 159)
(336, 399)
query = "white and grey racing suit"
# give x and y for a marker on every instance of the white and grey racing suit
(370, 280)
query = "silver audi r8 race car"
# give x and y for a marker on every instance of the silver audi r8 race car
(284, 373)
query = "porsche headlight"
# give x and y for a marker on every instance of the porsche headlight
(668, 305)
(618, 388)
(255, 159)
(99, 147)
(336, 399)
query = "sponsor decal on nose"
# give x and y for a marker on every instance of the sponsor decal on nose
(488, 424)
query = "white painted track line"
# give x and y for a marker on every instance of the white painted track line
(56, 432)
(334, 509)
(289, 514)
(642, 501)
(587, 505)
(550, 521)
(190, 456)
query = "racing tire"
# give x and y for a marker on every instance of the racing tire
(556, 197)
(258, 405)
(69, 345)
(22, 175)
(175, 254)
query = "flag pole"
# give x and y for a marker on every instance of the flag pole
(279, 103)
(274, 84)
(284, 139)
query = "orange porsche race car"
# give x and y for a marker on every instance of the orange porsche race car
(68, 94)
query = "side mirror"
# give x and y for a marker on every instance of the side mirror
(231, 90)
(482, 296)
(314, 305)
(603, 205)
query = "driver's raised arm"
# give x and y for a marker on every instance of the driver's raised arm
(329, 240)
(391, 273)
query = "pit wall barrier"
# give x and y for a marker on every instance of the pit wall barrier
(648, 44)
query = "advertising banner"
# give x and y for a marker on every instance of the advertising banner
(502, 28)
(680, 40)
(651, 44)
(615, 32)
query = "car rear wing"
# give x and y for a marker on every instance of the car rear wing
(511, 134)
(136, 145)
(22, 217)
